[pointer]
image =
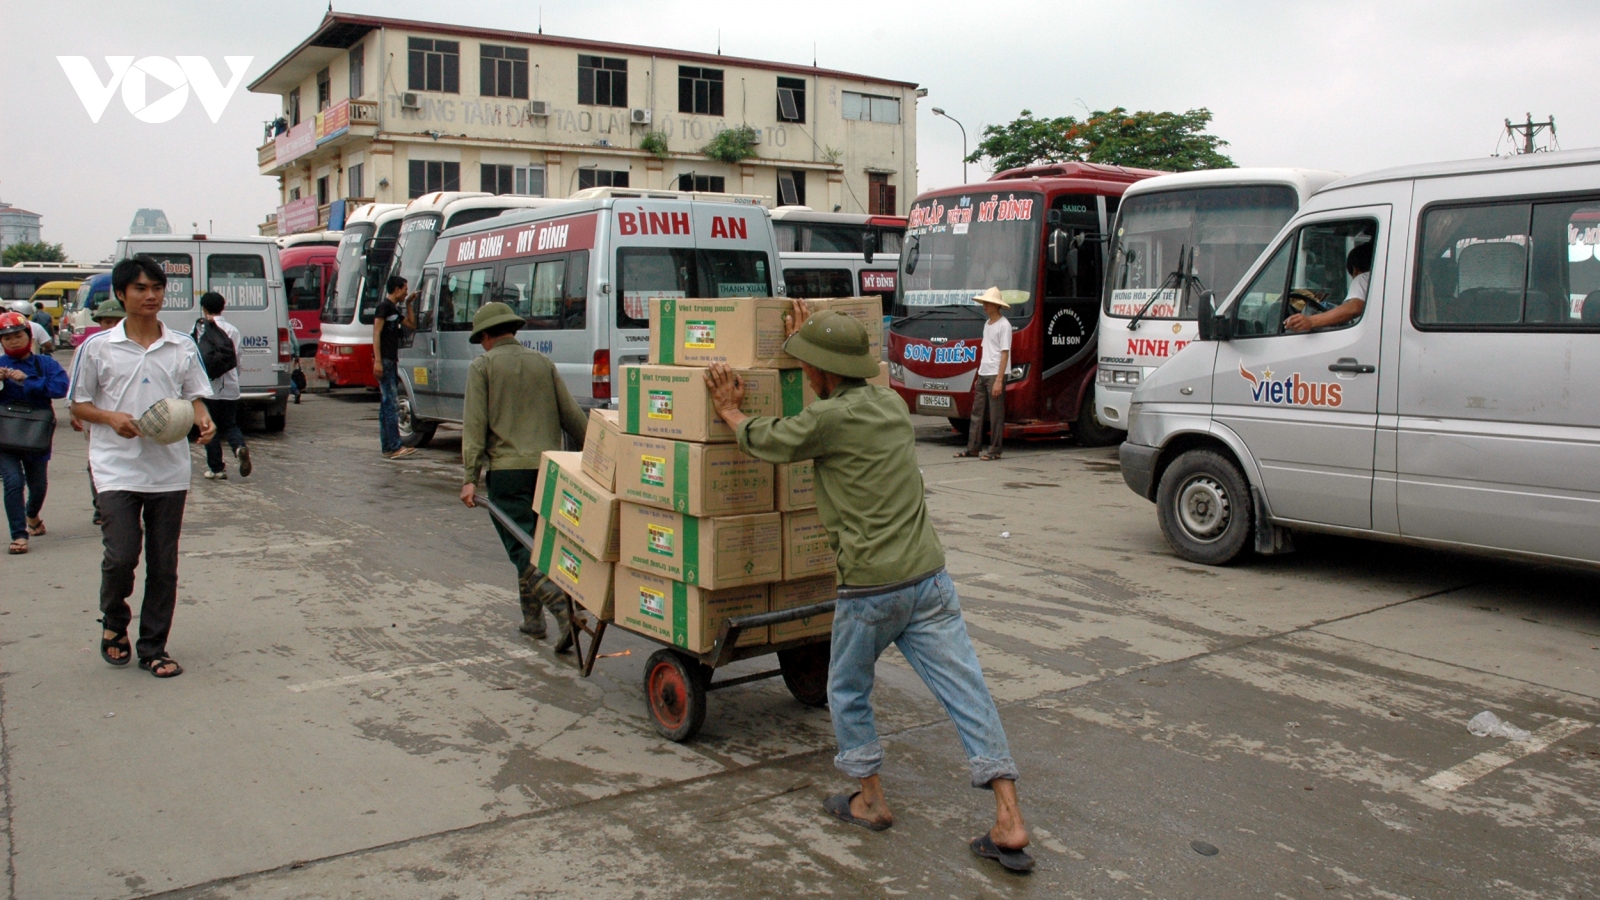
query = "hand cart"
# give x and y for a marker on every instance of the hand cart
(676, 680)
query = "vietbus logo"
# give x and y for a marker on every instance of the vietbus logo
(1291, 391)
(134, 77)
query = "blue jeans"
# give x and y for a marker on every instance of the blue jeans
(924, 621)
(16, 472)
(389, 407)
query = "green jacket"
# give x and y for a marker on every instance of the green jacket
(516, 408)
(869, 489)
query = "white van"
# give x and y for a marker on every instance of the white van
(1457, 409)
(582, 272)
(246, 271)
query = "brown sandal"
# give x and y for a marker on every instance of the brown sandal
(966, 454)
(36, 528)
(18, 547)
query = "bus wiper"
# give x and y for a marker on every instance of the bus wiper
(1176, 278)
(930, 311)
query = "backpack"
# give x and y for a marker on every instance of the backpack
(216, 349)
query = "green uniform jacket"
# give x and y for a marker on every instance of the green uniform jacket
(869, 489)
(516, 408)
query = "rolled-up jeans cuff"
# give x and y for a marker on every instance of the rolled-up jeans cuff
(861, 762)
(985, 770)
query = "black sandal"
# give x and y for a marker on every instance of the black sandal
(120, 641)
(152, 663)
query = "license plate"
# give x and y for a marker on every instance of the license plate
(933, 401)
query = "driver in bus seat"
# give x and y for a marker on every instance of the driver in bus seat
(1359, 265)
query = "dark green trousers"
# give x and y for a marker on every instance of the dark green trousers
(513, 490)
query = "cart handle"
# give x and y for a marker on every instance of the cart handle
(758, 620)
(499, 515)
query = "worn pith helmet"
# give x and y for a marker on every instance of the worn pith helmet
(834, 342)
(109, 309)
(490, 315)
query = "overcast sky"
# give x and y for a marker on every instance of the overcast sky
(1347, 86)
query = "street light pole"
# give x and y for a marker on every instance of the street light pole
(939, 112)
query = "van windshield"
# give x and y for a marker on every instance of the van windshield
(645, 272)
(1228, 227)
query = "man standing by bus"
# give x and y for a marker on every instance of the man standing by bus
(393, 313)
(516, 408)
(893, 587)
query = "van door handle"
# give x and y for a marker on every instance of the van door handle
(1349, 364)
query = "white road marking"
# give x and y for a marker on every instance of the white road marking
(958, 481)
(1463, 774)
(267, 548)
(401, 672)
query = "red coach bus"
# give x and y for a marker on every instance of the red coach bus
(1038, 234)
(309, 263)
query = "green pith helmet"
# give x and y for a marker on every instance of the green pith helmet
(490, 315)
(834, 342)
(109, 309)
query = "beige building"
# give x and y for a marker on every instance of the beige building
(387, 109)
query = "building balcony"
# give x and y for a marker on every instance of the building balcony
(266, 155)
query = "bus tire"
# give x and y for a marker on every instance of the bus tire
(1205, 509)
(1089, 431)
(961, 425)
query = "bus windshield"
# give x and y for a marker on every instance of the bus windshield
(417, 237)
(957, 246)
(339, 307)
(645, 272)
(1227, 226)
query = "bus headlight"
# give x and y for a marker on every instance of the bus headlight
(1114, 376)
(897, 372)
(1017, 373)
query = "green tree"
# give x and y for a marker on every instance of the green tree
(1172, 142)
(39, 252)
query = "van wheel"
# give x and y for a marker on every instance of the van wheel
(414, 432)
(1204, 506)
(275, 421)
(1090, 433)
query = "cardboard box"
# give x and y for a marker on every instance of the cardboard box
(745, 332)
(600, 447)
(684, 615)
(791, 594)
(575, 504)
(674, 402)
(794, 487)
(697, 479)
(726, 551)
(587, 579)
(808, 396)
(866, 310)
(806, 548)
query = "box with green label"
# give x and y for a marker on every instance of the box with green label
(719, 552)
(575, 504)
(674, 402)
(747, 332)
(807, 552)
(685, 615)
(697, 479)
(600, 447)
(587, 579)
(794, 594)
(794, 487)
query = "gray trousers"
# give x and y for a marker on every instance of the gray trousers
(132, 518)
(983, 401)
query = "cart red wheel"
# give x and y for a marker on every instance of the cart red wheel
(674, 686)
(805, 672)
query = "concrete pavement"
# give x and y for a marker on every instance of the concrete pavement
(360, 718)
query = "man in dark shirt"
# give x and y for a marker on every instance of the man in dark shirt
(394, 310)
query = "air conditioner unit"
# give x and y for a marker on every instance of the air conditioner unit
(755, 135)
(409, 100)
(639, 116)
(538, 107)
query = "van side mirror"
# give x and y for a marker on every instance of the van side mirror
(1211, 326)
(869, 244)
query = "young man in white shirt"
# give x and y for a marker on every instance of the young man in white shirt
(117, 376)
(989, 387)
(224, 400)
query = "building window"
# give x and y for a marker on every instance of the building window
(292, 107)
(602, 81)
(494, 179)
(354, 175)
(700, 90)
(434, 65)
(322, 191)
(791, 187)
(711, 184)
(880, 195)
(529, 181)
(792, 100)
(588, 178)
(358, 72)
(870, 108)
(324, 90)
(503, 71)
(294, 193)
(428, 176)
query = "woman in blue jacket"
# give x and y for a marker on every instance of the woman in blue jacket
(26, 379)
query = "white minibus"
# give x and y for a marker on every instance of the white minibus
(1414, 358)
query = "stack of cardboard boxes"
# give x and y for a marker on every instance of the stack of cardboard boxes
(679, 528)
